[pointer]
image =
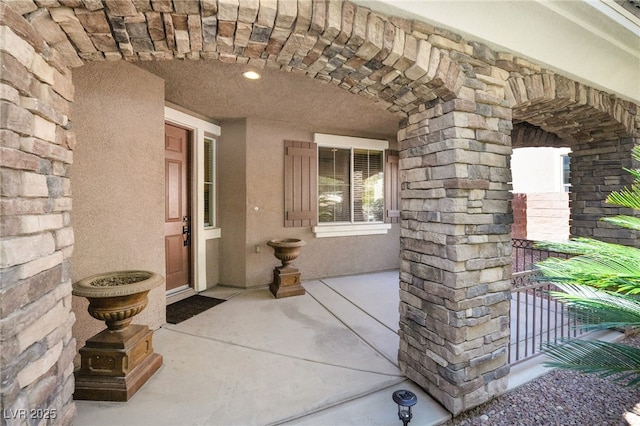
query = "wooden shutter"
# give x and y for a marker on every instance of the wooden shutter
(391, 187)
(300, 183)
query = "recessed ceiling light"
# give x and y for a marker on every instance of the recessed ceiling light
(251, 75)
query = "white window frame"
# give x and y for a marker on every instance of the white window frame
(325, 230)
(211, 228)
(566, 187)
(200, 129)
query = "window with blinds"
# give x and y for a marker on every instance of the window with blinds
(334, 185)
(368, 186)
(350, 185)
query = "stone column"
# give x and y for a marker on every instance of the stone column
(596, 171)
(455, 246)
(36, 239)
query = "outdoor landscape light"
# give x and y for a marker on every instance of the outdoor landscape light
(251, 75)
(405, 400)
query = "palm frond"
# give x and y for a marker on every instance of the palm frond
(627, 197)
(582, 245)
(589, 280)
(629, 222)
(617, 269)
(596, 309)
(596, 357)
(596, 263)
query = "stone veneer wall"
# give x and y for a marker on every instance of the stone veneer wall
(456, 244)
(596, 171)
(458, 99)
(37, 348)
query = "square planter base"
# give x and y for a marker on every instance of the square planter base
(286, 282)
(115, 364)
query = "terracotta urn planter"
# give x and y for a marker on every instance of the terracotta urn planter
(116, 362)
(287, 250)
(286, 278)
(116, 297)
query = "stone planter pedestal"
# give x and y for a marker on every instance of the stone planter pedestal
(116, 362)
(286, 278)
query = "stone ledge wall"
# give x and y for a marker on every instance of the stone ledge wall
(596, 171)
(36, 238)
(456, 243)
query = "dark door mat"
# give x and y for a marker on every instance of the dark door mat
(189, 307)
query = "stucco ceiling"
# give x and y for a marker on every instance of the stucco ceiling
(218, 91)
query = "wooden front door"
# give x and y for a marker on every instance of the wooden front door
(177, 227)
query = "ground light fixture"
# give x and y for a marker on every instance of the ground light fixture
(405, 400)
(251, 75)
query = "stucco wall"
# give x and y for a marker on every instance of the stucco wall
(537, 169)
(232, 202)
(264, 215)
(118, 181)
(213, 262)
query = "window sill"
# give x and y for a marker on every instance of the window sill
(211, 233)
(324, 231)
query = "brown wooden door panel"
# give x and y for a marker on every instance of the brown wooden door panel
(174, 246)
(173, 187)
(177, 208)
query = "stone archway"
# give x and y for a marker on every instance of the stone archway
(361, 51)
(569, 109)
(599, 128)
(455, 144)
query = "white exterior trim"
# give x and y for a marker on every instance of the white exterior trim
(199, 233)
(350, 142)
(351, 229)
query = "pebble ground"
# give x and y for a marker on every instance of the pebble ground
(562, 398)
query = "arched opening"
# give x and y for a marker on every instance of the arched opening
(596, 126)
(587, 138)
(120, 143)
(415, 72)
(541, 186)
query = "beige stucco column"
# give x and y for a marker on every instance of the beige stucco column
(455, 246)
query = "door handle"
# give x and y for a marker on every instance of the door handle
(186, 235)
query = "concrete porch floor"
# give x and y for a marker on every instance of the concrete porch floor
(325, 358)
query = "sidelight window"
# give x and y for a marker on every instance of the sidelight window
(209, 182)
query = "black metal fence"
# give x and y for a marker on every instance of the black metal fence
(525, 255)
(536, 317)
